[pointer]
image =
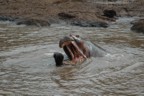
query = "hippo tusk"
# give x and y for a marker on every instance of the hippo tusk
(79, 50)
(70, 52)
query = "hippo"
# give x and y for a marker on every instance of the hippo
(78, 50)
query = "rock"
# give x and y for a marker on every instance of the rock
(7, 18)
(106, 19)
(19, 21)
(82, 20)
(33, 22)
(85, 23)
(138, 26)
(63, 15)
(109, 13)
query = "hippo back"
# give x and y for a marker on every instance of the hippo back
(95, 50)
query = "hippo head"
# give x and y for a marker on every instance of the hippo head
(74, 48)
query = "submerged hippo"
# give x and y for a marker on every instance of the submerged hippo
(78, 50)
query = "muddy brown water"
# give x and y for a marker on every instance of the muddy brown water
(27, 67)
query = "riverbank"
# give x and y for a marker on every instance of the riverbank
(48, 10)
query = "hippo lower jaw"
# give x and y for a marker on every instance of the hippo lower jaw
(73, 52)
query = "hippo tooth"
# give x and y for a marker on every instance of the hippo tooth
(79, 49)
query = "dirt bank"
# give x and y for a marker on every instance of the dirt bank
(48, 9)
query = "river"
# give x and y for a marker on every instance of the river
(27, 67)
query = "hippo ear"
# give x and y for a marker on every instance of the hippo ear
(77, 36)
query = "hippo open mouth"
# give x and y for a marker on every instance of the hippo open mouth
(72, 50)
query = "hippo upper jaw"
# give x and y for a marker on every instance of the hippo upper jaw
(72, 50)
(65, 41)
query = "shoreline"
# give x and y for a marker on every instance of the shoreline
(45, 12)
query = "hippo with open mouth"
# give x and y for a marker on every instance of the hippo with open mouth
(78, 50)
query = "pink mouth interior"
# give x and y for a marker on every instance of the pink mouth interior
(75, 52)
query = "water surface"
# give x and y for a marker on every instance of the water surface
(27, 67)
